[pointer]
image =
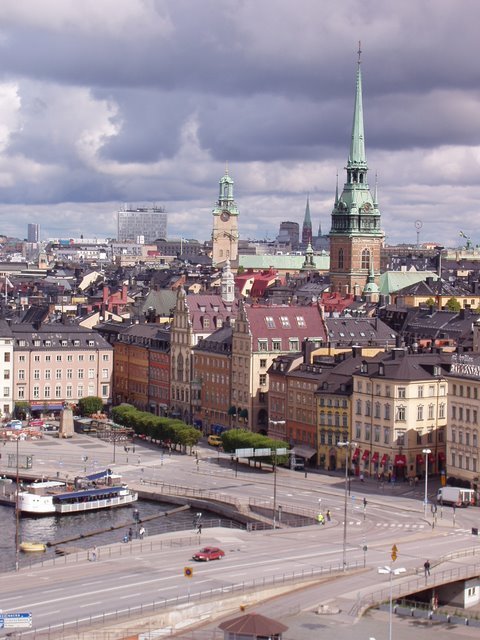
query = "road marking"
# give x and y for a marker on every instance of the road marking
(130, 595)
(90, 604)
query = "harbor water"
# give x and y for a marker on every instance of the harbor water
(113, 523)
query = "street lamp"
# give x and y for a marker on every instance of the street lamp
(274, 521)
(392, 572)
(348, 445)
(426, 453)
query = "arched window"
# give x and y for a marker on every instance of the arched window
(365, 259)
(340, 258)
(180, 368)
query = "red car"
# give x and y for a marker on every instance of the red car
(208, 553)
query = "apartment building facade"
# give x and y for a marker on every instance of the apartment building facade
(6, 370)
(59, 363)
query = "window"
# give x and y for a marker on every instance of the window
(105, 374)
(36, 392)
(91, 374)
(21, 374)
(420, 412)
(69, 391)
(368, 410)
(91, 357)
(6, 356)
(36, 374)
(48, 374)
(6, 392)
(285, 322)
(366, 259)
(400, 438)
(401, 414)
(263, 363)
(48, 358)
(69, 374)
(46, 392)
(301, 321)
(270, 322)
(377, 409)
(70, 358)
(358, 431)
(387, 412)
(58, 374)
(263, 345)
(80, 357)
(431, 411)
(21, 358)
(376, 433)
(419, 437)
(401, 392)
(104, 390)
(21, 393)
(276, 344)
(293, 344)
(36, 358)
(105, 357)
(58, 391)
(359, 408)
(80, 391)
(386, 435)
(441, 410)
(262, 379)
(454, 412)
(340, 258)
(420, 391)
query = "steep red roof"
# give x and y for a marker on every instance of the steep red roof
(285, 323)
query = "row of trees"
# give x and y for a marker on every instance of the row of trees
(170, 430)
(242, 439)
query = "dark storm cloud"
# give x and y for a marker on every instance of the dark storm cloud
(146, 100)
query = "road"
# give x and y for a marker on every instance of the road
(153, 573)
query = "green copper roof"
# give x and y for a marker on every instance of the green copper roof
(357, 146)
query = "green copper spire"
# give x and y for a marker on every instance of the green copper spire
(307, 224)
(357, 146)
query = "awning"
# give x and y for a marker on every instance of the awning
(431, 458)
(355, 454)
(375, 457)
(303, 451)
(441, 456)
(365, 455)
(400, 460)
(384, 460)
(419, 458)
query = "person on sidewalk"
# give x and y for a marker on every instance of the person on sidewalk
(426, 567)
(321, 518)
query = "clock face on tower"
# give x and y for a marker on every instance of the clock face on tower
(225, 216)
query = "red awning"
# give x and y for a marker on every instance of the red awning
(400, 460)
(384, 459)
(419, 458)
(366, 453)
(355, 455)
(431, 458)
(375, 457)
(441, 456)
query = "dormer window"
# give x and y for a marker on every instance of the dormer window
(36, 343)
(64, 343)
(91, 343)
(48, 343)
(76, 343)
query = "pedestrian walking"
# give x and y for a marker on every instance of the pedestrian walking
(199, 530)
(329, 517)
(141, 532)
(93, 555)
(426, 567)
(130, 534)
(321, 518)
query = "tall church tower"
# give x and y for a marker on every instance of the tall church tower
(225, 224)
(355, 236)
(307, 225)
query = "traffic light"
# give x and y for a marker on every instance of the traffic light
(394, 553)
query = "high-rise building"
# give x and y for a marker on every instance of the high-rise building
(142, 224)
(33, 232)
(355, 236)
(289, 233)
(225, 224)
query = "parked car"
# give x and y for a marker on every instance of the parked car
(208, 553)
(15, 424)
(52, 428)
(214, 441)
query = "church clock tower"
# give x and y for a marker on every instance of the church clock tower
(225, 224)
(355, 236)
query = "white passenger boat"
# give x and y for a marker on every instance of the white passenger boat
(54, 497)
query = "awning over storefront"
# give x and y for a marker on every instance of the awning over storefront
(400, 461)
(431, 458)
(355, 455)
(384, 460)
(441, 456)
(303, 451)
(375, 457)
(365, 455)
(419, 458)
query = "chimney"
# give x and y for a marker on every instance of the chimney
(356, 351)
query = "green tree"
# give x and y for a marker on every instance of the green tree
(89, 405)
(453, 305)
(21, 410)
(430, 302)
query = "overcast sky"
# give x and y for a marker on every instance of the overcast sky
(106, 102)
